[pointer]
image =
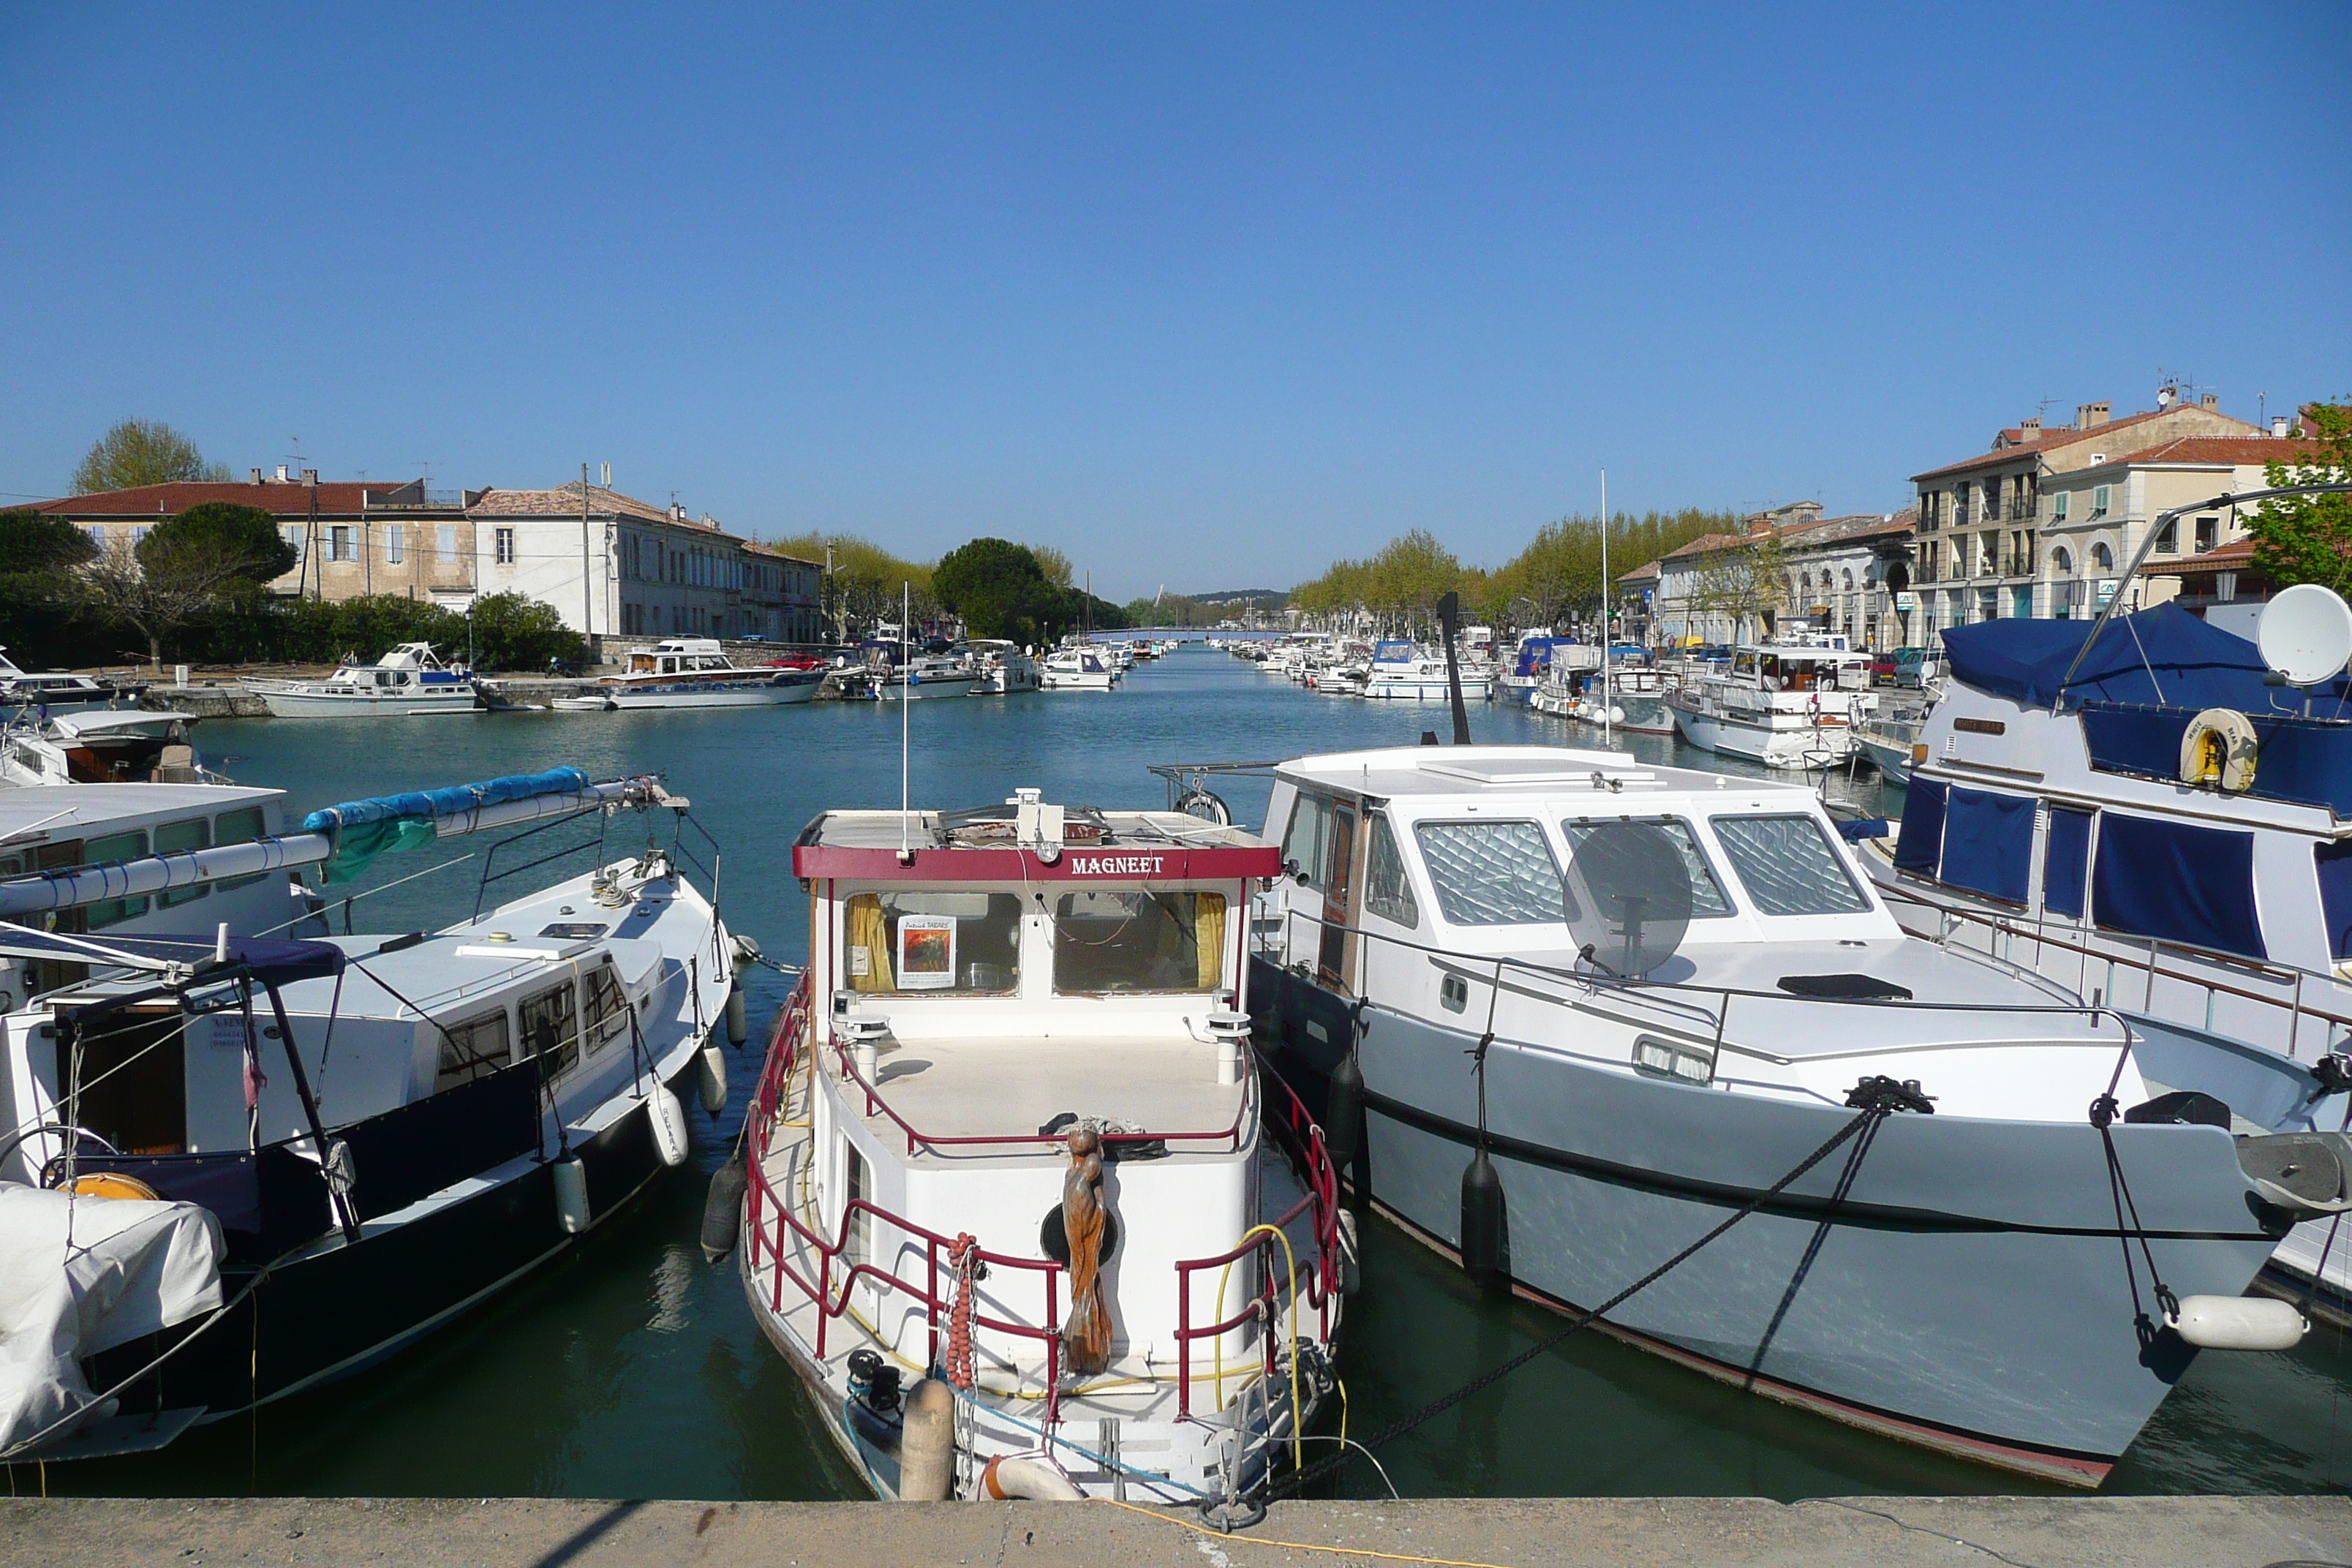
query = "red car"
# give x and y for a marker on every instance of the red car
(1881, 666)
(795, 661)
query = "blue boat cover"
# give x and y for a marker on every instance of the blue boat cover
(2164, 656)
(1534, 655)
(273, 961)
(391, 823)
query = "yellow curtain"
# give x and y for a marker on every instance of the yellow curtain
(868, 928)
(1209, 935)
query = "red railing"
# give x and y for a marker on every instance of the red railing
(1301, 1139)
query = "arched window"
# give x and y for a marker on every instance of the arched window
(1806, 582)
(1849, 579)
(2102, 557)
(2061, 562)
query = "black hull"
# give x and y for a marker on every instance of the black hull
(339, 1311)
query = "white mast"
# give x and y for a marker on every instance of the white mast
(1605, 606)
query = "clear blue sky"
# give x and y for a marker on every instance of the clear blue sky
(1201, 295)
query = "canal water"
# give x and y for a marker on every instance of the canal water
(632, 1368)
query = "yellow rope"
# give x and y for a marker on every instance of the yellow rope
(1292, 1546)
(1298, 1414)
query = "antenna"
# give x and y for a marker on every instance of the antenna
(906, 692)
(607, 469)
(2305, 634)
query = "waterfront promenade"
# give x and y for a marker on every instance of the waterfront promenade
(1623, 1532)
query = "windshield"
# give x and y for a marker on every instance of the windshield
(1492, 873)
(918, 941)
(1705, 892)
(1107, 941)
(1787, 866)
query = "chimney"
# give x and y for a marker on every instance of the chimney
(310, 478)
(2031, 428)
(2088, 414)
(1760, 525)
(2164, 395)
(256, 476)
(2278, 425)
(281, 473)
(2210, 401)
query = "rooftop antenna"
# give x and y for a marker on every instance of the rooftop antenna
(906, 691)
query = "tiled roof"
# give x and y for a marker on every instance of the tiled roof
(563, 500)
(2230, 557)
(1707, 544)
(753, 547)
(1645, 572)
(2235, 450)
(1826, 530)
(2067, 436)
(288, 498)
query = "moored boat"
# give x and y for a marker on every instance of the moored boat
(408, 682)
(1078, 670)
(695, 672)
(1786, 705)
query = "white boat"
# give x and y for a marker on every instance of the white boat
(1785, 704)
(695, 672)
(1401, 670)
(1022, 1212)
(408, 682)
(1005, 667)
(1891, 741)
(2159, 831)
(101, 746)
(1078, 670)
(1602, 1017)
(60, 691)
(497, 1089)
(1532, 658)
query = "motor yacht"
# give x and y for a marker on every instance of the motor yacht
(1591, 1010)
(695, 672)
(1078, 670)
(1784, 704)
(1401, 670)
(63, 692)
(1004, 668)
(1020, 1211)
(409, 681)
(101, 746)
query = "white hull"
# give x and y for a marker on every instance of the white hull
(1056, 680)
(401, 705)
(1474, 690)
(670, 696)
(1776, 748)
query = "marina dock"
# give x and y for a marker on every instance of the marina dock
(1618, 1532)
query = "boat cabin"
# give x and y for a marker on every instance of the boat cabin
(679, 656)
(1778, 667)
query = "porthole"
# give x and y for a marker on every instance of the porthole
(1676, 1060)
(1454, 993)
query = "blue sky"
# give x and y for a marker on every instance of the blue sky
(1202, 295)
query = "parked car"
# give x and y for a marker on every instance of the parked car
(1881, 668)
(1914, 667)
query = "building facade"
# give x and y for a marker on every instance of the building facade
(1790, 568)
(1991, 527)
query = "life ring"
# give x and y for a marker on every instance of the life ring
(2219, 748)
(110, 1185)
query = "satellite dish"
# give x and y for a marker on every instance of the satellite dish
(2305, 634)
(1629, 894)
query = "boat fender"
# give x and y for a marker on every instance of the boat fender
(1485, 1224)
(2303, 1173)
(2219, 748)
(710, 1079)
(1028, 1476)
(739, 1023)
(927, 1444)
(669, 1119)
(747, 949)
(1351, 1254)
(1343, 1114)
(722, 1208)
(2238, 1323)
(572, 1195)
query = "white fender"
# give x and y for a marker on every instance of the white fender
(1030, 1476)
(669, 1119)
(572, 1195)
(710, 1079)
(2218, 748)
(2238, 1322)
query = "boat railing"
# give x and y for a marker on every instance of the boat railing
(773, 1230)
(2333, 1025)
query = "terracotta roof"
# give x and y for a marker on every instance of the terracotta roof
(1707, 544)
(2066, 435)
(563, 500)
(1647, 571)
(290, 498)
(753, 547)
(2235, 450)
(2237, 553)
(1802, 535)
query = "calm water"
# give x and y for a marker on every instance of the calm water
(631, 1369)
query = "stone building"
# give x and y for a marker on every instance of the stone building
(1841, 574)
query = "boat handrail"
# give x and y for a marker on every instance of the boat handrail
(793, 1028)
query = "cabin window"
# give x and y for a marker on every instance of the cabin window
(550, 1029)
(1307, 842)
(1707, 895)
(2193, 885)
(2065, 857)
(1492, 873)
(922, 941)
(241, 826)
(1388, 891)
(1988, 843)
(1787, 866)
(115, 847)
(857, 1223)
(174, 837)
(1107, 941)
(608, 1009)
(470, 1049)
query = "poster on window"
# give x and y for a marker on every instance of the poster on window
(927, 952)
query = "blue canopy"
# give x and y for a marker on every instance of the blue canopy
(2165, 656)
(367, 828)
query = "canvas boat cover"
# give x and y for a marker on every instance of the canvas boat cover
(81, 1275)
(390, 823)
(2165, 658)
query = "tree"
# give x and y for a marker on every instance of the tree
(1054, 563)
(142, 452)
(1742, 582)
(2308, 539)
(242, 539)
(998, 587)
(34, 544)
(514, 631)
(867, 580)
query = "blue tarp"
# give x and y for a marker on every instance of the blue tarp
(1988, 843)
(274, 960)
(390, 823)
(2064, 858)
(1534, 655)
(1920, 845)
(2164, 656)
(2334, 862)
(2181, 884)
(2307, 761)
